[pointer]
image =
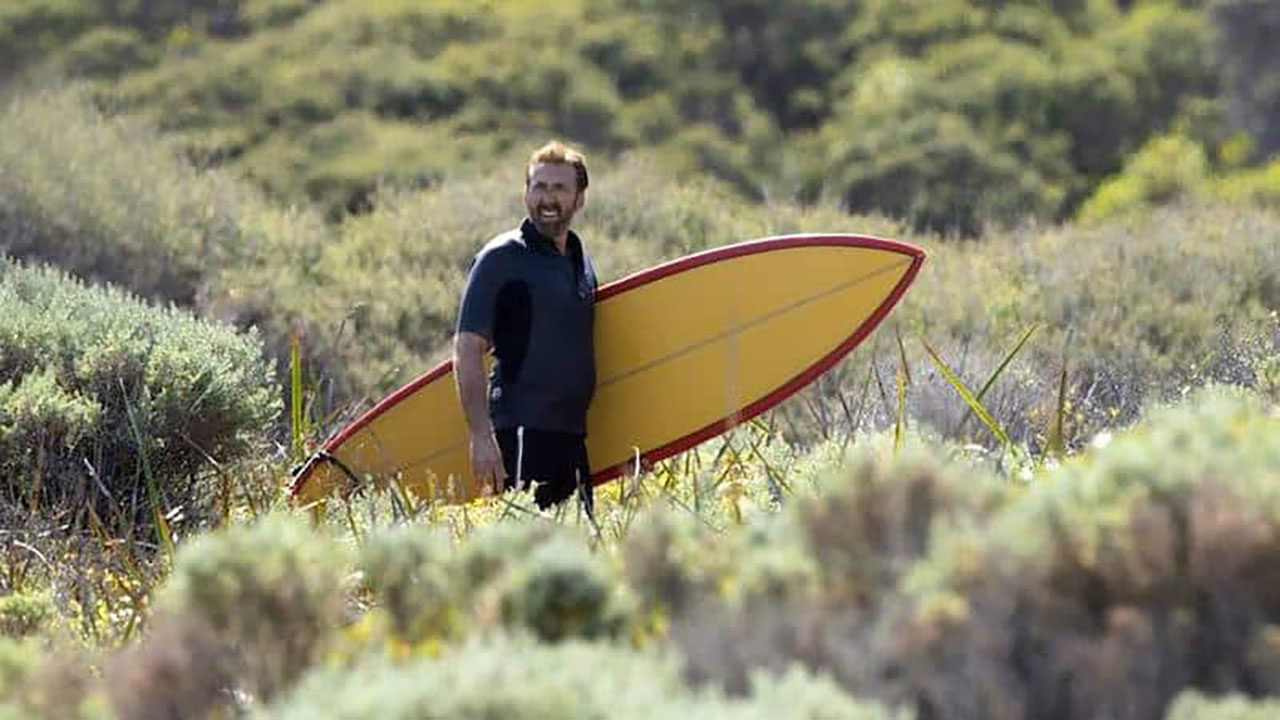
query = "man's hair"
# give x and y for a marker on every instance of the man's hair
(557, 153)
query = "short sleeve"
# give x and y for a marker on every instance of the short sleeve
(480, 295)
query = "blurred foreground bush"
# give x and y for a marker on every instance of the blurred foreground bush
(269, 594)
(1107, 585)
(523, 681)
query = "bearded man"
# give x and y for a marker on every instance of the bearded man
(529, 300)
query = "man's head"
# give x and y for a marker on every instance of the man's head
(555, 187)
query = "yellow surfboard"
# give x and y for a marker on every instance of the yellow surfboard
(684, 351)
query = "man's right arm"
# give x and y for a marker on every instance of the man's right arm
(469, 350)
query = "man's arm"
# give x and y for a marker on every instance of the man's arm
(469, 350)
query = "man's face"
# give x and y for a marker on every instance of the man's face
(552, 197)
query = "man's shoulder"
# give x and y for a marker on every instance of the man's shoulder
(504, 243)
(499, 247)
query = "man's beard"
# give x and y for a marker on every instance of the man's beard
(551, 227)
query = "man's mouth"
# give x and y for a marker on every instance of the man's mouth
(546, 213)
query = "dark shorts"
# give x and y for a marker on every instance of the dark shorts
(553, 461)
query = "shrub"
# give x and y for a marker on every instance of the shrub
(409, 572)
(96, 377)
(797, 694)
(270, 592)
(1176, 298)
(1259, 186)
(181, 670)
(1116, 581)
(492, 551)
(1164, 169)
(107, 51)
(523, 681)
(24, 615)
(1195, 706)
(109, 200)
(18, 661)
(820, 584)
(1251, 74)
(516, 680)
(661, 561)
(559, 592)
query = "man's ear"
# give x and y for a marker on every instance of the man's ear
(582, 200)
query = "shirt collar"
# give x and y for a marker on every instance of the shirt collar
(537, 242)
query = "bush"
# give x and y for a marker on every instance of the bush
(271, 594)
(819, 584)
(1258, 186)
(25, 615)
(99, 382)
(494, 550)
(107, 51)
(1164, 169)
(409, 571)
(1175, 299)
(523, 681)
(1243, 30)
(1115, 582)
(1195, 706)
(181, 669)
(559, 592)
(109, 200)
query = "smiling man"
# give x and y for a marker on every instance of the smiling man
(528, 299)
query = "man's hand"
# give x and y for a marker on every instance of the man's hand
(486, 464)
(469, 350)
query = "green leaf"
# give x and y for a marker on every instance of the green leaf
(958, 385)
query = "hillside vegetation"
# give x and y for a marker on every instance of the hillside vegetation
(1044, 489)
(947, 114)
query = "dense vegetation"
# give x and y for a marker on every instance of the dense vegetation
(891, 584)
(200, 197)
(948, 114)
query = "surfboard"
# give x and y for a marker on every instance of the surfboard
(684, 351)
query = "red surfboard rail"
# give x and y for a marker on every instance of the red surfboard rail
(653, 274)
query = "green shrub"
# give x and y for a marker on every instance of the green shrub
(516, 680)
(1195, 706)
(18, 661)
(96, 377)
(24, 615)
(493, 550)
(271, 593)
(29, 30)
(1259, 186)
(820, 584)
(409, 572)
(1164, 169)
(1140, 570)
(524, 681)
(559, 592)
(109, 200)
(1176, 298)
(797, 694)
(106, 51)
(181, 669)
(1243, 30)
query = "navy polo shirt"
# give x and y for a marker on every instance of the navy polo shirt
(536, 308)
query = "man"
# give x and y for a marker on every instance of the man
(529, 298)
